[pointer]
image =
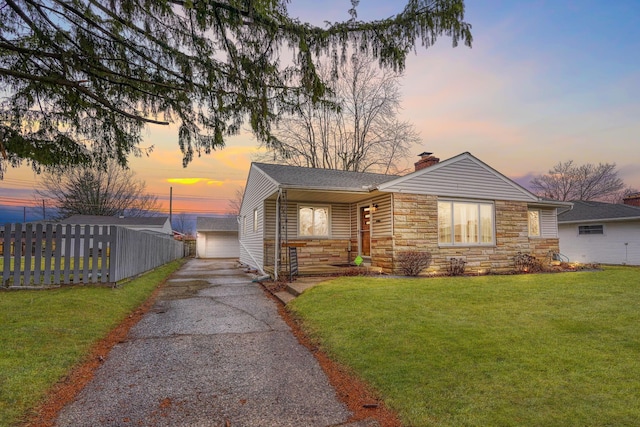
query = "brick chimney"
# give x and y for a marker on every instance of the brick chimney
(632, 200)
(426, 160)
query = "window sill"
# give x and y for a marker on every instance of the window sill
(466, 245)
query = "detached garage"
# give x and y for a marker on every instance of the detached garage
(217, 237)
(599, 232)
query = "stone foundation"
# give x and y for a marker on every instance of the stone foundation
(318, 252)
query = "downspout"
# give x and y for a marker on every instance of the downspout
(276, 256)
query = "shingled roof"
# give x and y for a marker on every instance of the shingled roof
(216, 223)
(598, 211)
(325, 179)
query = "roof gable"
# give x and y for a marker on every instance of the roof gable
(461, 176)
(599, 211)
(324, 179)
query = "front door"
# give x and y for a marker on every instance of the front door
(365, 231)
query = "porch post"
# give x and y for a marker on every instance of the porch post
(276, 252)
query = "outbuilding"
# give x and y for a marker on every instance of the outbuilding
(217, 237)
(605, 233)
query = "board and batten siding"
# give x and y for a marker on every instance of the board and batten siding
(464, 178)
(258, 188)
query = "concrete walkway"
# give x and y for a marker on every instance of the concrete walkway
(213, 351)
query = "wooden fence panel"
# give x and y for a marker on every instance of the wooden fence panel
(46, 255)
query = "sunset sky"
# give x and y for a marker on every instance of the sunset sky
(545, 81)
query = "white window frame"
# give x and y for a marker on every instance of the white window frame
(255, 220)
(529, 222)
(479, 204)
(314, 236)
(591, 227)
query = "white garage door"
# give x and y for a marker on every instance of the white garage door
(222, 245)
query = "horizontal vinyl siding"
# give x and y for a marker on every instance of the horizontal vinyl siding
(548, 223)
(270, 219)
(381, 225)
(353, 219)
(464, 178)
(339, 216)
(258, 188)
(607, 248)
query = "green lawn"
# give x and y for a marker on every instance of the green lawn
(526, 350)
(45, 333)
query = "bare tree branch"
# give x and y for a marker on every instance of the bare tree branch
(567, 181)
(357, 131)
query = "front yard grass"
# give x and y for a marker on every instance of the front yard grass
(545, 349)
(46, 333)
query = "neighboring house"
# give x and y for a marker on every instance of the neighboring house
(599, 232)
(159, 224)
(458, 208)
(217, 237)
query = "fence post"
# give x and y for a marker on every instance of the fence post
(28, 235)
(38, 255)
(86, 258)
(113, 254)
(6, 249)
(17, 255)
(48, 250)
(76, 254)
(57, 255)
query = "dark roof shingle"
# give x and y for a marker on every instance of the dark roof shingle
(216, 223)
(323, 178)
(593, 211)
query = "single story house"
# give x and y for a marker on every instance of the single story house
(458, 208)
(217, 237)
(599, 232)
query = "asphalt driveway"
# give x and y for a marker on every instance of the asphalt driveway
(213, 351)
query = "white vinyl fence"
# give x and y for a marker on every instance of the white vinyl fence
(40, 255)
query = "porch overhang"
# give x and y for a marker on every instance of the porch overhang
(325, 195)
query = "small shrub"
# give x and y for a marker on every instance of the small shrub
(413, 262)
(456, 267)
(525, 263)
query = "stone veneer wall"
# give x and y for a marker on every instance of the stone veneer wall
(416, 228)
(319, 252)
